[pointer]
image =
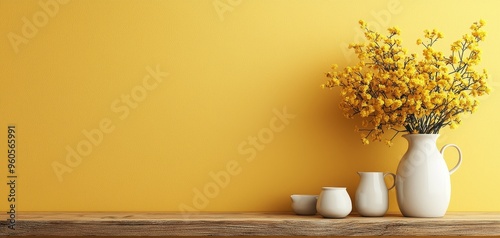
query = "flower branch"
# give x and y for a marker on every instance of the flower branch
(392, 90)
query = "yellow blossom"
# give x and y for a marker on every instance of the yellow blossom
(393, 90)
(362, 23)
(394, 30)
(388, 142)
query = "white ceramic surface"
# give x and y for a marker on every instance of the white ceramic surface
(304, 204)
(372, 199)
(334, 202)
(422, 180)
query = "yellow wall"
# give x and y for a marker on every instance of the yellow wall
(234, 111)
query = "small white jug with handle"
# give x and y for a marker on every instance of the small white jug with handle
(372, 199)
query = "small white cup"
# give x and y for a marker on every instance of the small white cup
(304, 204)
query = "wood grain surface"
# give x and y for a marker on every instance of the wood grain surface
(246, 224)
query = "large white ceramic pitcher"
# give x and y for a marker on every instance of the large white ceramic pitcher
(423, 180)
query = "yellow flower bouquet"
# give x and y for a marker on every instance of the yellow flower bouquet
(392, 90)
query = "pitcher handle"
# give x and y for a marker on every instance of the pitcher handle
(394, 180)
(459, 156)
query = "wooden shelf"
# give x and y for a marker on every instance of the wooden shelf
(246, 224)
